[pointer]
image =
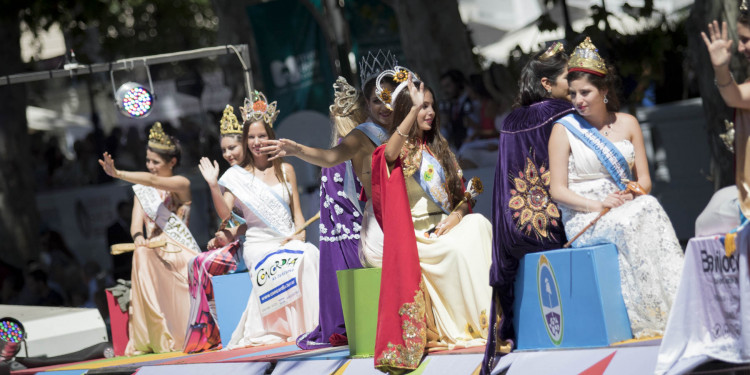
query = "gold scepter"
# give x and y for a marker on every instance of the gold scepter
(473, 189)
(630, 187)
(120, 248)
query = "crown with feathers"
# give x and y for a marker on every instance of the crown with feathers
(586, 58)
(345, 97)
(229, 122)
(159, 140)
(257, 108)
(371, 65)
(398, 74)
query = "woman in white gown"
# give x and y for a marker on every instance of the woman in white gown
(591, 154)
(283, 303)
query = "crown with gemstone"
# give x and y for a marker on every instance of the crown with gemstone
(345, 96)
(553, 50)
(257, 108)
(398, 74)
(159, 140)
(586, 58)
(372, 65)
(229, 122)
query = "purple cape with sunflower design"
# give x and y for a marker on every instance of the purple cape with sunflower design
(524, 217)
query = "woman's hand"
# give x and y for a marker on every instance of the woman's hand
(278, 148)
(108, 164)
(719, 45)
(209, 171)
(417, 94)
(221, 239)
(299, 236)
(140, 241)
(616, 199)
(447, 224)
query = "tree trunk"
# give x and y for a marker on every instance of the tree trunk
(434, 38)
(19, 220)
(703, 12)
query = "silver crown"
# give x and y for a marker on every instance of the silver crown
(371, 65)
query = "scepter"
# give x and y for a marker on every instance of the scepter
(630, 187)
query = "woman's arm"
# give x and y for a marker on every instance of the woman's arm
(640, 169)
(177, 184)
(299, 219)
(559, 153)
(719, 48)
(223, 203)
(136, 224)
(346, 150)
(396, 142)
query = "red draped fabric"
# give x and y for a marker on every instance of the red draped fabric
(401, 332)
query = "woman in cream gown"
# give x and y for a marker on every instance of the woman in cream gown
(649, 254)
(435, 256)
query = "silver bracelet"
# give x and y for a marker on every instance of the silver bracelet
(401, 134)
(731, 80)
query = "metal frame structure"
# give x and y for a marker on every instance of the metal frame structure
(241, 50)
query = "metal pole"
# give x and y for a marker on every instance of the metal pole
(129, 64)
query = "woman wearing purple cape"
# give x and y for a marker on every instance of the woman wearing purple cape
(524, 218)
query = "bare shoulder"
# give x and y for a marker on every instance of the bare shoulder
(288, 168)
(627, 119)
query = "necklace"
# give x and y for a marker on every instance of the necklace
(608, 126)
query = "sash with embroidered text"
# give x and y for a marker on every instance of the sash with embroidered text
(268, 206)
(431, 178)
(154, 207)
(608, 154)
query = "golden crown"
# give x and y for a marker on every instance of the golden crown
(257, 108)
(586, 58)
(159, 140)
(345, 96)
(553, 50)
(399, 75)
(229, 123)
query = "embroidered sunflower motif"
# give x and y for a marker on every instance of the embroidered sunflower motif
(533, 210)
(401, 76)
(429, 173)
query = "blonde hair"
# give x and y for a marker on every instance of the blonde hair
(342, 125)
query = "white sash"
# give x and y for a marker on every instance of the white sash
(268, 206)
(275, 279)
(154, 207)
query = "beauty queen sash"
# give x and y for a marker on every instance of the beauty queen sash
(154, 207)
(608, 154)
(268, 206)
(431, 178)
(378, 136)
(274, 277)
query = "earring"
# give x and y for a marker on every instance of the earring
(606, 100)
(549, 91)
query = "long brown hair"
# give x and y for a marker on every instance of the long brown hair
(434, 140)
(248, 160)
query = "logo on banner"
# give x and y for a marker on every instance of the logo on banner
(549, 300)
(275, 279)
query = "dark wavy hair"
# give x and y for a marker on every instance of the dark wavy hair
(609, 82)
(530, 85)
(434, 140)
